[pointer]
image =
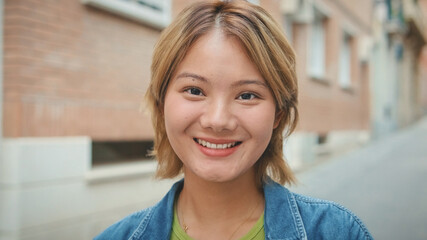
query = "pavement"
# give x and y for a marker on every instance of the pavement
(384, 183)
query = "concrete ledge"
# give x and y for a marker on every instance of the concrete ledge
(302, 149)
(49, 189)
(121, 171)
(342, 141)
(299, 149)
(29, 160)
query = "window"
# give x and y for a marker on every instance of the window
(322, 138)
(289, 28)
(112, 152)
(155, 13)
(317, 45)
(344, 73)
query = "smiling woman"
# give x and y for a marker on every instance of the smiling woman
(223, 90)
(264, 47)
(212, 100)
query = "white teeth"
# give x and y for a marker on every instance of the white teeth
(215, 146)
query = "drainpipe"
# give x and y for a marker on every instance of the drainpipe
(1, 77)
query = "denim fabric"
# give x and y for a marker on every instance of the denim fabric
(287, 216)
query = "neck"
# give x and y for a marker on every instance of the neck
(206, 206)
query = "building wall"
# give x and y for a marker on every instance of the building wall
(1, 75)
(73, 70)
(49, 191)
(356, 11)
(73, 74)
(422, 91)
(399, 31)
(324, 105)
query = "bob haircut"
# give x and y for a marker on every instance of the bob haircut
(266, 46)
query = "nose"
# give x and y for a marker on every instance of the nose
(218, 116)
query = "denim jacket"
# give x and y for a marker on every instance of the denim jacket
(286, 216)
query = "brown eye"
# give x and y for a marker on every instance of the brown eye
(194, 91)
(247, 96)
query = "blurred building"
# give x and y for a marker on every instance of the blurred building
(422, 88)
(332, 40)
(399, 31)
(74, 136)
(423, 82)
(74, 76)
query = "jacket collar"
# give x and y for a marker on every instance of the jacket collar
(282, 219)
(157, 224)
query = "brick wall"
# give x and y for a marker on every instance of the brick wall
(74, 70)
(327, 107)
(324, 105)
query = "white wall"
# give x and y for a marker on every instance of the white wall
(302, 149)
(299, 149)
(48, 190)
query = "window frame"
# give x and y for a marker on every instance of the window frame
(316, 54)
(346, 61)
(133, 10)
(288, 28)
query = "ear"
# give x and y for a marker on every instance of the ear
(279, 117)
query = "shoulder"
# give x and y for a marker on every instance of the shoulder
(294, 216)
(127, 227)
(327, 218)
(151, 223)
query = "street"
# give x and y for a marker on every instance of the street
(384, 183)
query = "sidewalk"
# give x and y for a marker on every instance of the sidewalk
(384, 183)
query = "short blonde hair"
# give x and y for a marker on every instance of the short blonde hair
(267, 47)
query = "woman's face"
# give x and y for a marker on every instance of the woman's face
(219, 112)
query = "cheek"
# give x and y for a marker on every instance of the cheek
(261, 118)
(171, 113)
(261, 123)
(178, 113)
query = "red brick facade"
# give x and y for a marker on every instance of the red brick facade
(71, 70)
(324, 105)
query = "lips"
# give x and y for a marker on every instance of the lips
(219, 146)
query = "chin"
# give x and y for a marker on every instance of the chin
(215, 178)
(212, 176)
(219, 178)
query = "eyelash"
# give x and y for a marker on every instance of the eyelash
(200, 93)
(252, 96)
(189, 91)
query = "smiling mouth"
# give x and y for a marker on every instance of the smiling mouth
(217, 145)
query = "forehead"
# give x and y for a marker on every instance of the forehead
(220, 54)
(216, 42)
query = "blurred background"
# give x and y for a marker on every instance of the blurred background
(74, 140)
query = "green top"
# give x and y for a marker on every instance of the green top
(256, 233)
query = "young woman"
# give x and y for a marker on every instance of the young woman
(223, 94)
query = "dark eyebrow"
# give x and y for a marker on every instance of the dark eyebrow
(247, 82)
(236, 84)
(191, 75)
